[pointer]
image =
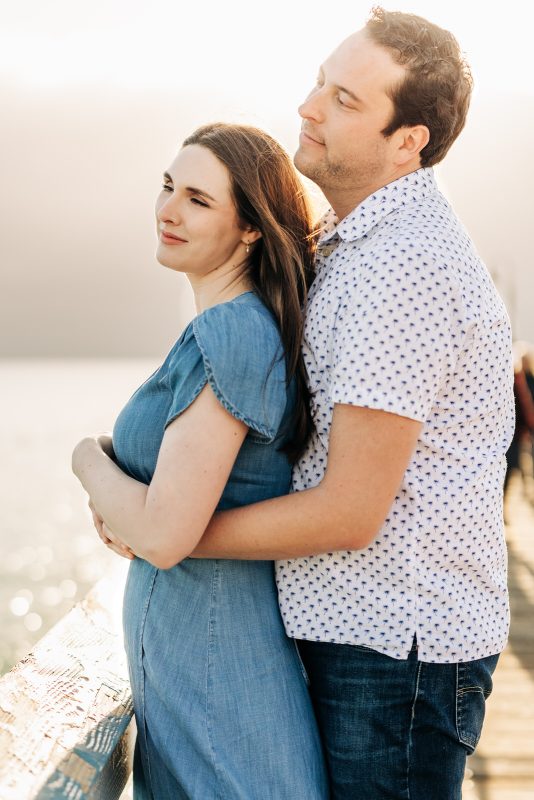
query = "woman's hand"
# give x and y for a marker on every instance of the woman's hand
(87, 447)
(80, 455)
(108, 537)
(105, 442)
(163, 521)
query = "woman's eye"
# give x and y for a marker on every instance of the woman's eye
(340, 101)
(198, 202)
(166, 187)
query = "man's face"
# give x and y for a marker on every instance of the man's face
(341, 144)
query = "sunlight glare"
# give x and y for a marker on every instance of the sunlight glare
(221, 45)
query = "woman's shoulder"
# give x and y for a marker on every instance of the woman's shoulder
(245, 309)
(243, 327)
(236, 348)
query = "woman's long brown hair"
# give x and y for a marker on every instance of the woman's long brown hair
(270, 197)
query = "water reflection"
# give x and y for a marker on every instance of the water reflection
(50, 555)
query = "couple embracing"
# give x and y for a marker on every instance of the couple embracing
(359, 447)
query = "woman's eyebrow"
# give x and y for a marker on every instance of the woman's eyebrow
(201, 192)
(191, 189)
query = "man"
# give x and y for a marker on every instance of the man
(391, 563)
(402, 610)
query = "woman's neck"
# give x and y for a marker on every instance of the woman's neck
(210, 290)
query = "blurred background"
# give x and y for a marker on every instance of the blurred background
(96, 98)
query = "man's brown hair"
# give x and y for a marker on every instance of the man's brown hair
(437, 87)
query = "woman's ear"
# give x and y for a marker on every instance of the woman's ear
(251, 235)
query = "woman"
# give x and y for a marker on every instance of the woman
(220, 697)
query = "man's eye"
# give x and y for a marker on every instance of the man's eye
(166, 187)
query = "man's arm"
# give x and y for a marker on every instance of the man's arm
(369, 452)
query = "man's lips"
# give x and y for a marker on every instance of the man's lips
(307, 137)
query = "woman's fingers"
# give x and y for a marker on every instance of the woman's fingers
(114, 543)
(108, 537)
(120, 551)
(97, 522)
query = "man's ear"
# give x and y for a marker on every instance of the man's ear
(411, 141)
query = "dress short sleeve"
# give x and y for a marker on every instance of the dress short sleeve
(236, 348)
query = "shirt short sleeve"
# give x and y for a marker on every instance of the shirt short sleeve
(237, 350)
(396, 338)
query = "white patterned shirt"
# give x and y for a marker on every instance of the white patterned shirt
(403, 317)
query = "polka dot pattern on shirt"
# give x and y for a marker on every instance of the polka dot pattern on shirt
(403, 317)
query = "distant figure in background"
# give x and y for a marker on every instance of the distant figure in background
(220, 697)
(524, 412)
(528, 366)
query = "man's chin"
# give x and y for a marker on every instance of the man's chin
(305, 165)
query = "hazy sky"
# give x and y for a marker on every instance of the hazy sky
(96, 97)
(260, 51)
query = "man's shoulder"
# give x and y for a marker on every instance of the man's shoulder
(427, 227)
(426, 213)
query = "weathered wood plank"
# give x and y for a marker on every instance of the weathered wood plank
(66, 710)
(502, 767)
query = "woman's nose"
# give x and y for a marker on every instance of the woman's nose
(168, 210)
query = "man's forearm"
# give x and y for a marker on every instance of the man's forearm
(368, 454)
(299, 524)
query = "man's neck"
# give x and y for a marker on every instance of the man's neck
(344, 200)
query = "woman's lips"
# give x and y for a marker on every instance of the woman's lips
(168, 238)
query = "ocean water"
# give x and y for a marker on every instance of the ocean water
(50, 554)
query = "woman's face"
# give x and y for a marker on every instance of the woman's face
(198, 226)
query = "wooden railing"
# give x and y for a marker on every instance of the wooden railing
(66, 727)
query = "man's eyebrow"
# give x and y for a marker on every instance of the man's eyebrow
(342, 88)
(350, 94)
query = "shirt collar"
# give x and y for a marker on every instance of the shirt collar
(374, 208)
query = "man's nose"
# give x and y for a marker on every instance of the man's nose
(312, 107)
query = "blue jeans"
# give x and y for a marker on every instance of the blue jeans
(395, 729)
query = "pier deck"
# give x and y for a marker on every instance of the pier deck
(502, 767)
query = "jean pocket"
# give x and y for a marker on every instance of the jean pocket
(473, 686)
(301, 663)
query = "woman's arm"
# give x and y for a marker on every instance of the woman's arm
(164, 521)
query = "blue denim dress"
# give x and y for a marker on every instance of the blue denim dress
(220, 697)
